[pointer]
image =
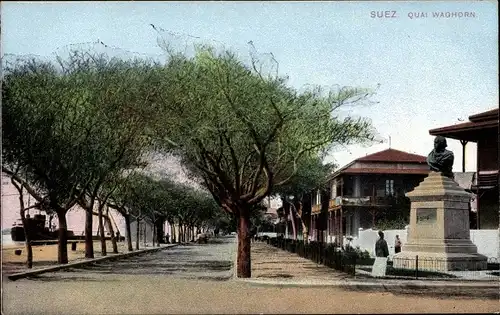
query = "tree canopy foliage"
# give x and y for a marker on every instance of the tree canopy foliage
(244, 132)
(77, 131)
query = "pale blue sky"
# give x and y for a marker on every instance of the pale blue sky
(431, 71)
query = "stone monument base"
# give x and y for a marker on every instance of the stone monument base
(439, 229)
(439, 261)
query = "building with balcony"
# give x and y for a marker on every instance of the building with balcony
(482, 129)
(363, 192)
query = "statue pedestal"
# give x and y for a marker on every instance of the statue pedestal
(439, 229)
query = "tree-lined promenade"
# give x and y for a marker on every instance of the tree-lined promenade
(79, 130)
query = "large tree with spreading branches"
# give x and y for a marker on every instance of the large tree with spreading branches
(244, 131)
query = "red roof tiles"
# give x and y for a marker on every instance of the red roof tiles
(394, 156)
(390, 156)
(385, 171)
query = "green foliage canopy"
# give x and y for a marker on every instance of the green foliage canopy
(244, 132)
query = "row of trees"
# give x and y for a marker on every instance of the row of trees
(156, 201)
(74, 133)
(75, 130)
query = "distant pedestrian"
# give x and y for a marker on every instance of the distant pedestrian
(381, 248)
(397, 245)
(167, 238)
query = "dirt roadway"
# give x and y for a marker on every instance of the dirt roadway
(181, 281)
(133, 294)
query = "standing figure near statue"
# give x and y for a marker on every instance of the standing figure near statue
(381, 248)
(440, 159)
(397, 244)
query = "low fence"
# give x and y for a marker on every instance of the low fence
(355, 262)
(440, 268)
(321, 253)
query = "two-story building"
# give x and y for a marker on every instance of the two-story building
(363, 192)
(482, 129)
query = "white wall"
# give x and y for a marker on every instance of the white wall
(487, 241)
(367, 239)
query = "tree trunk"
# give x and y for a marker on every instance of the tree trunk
(243, 260)
(103, 234)
(154, 233)
(159, 232)
(301, 215)
(138, 233)
(144, 234)
(27, 236)
(128, 233)
(305, 232)
(112, 232)
(89, 242)
(62, 250)
(292, 218)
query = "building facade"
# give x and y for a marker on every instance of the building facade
(482, 129)
(363, 192)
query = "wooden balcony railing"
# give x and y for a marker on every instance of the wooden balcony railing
(358, 201)
(487, 179)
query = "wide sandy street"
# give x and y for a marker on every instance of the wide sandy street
(197, 279)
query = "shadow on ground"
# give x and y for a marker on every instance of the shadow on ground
(152, 267)
(59, 278)
(276, 275)
(212, 261)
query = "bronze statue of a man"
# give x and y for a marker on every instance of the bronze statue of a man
(440, 159)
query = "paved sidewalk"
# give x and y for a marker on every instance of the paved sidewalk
(269, 262)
